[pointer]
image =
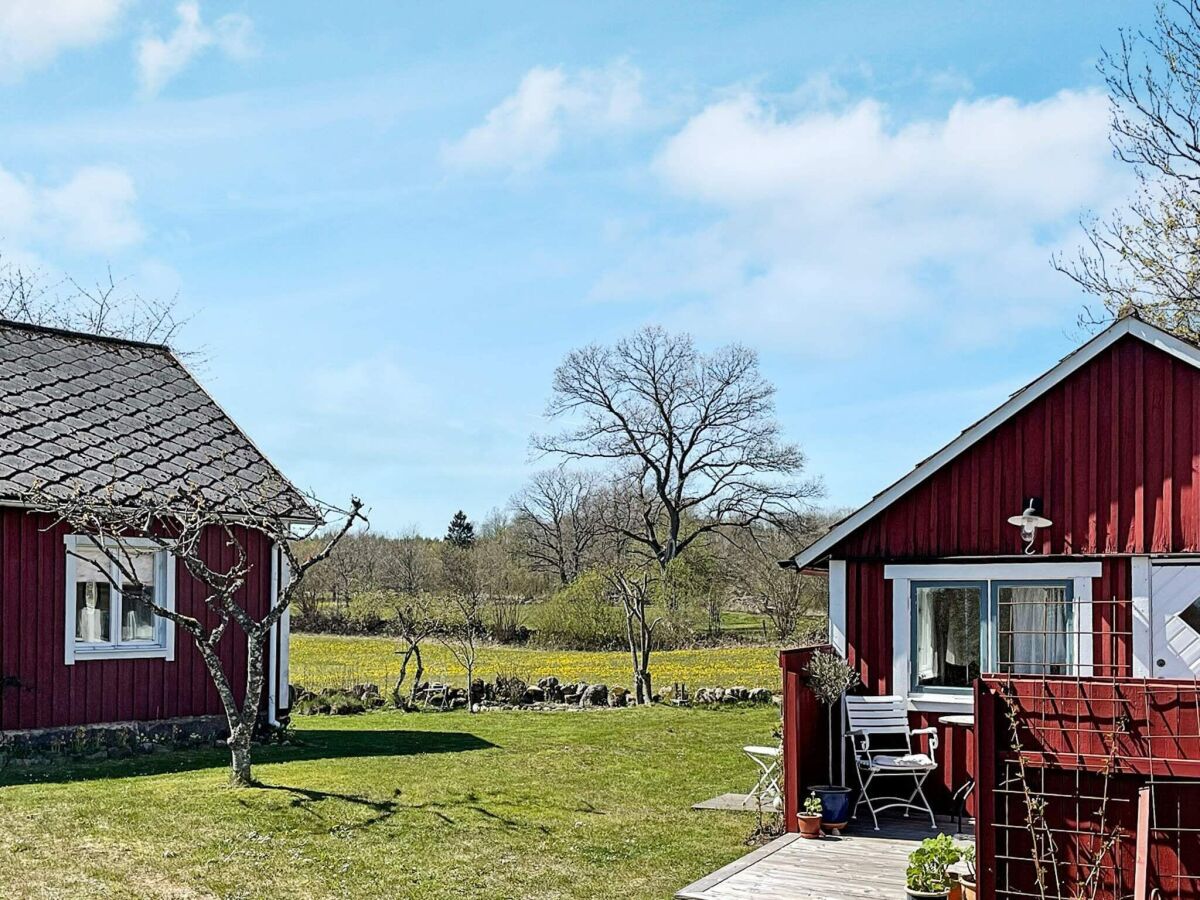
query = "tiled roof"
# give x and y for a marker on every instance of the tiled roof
(81, 412)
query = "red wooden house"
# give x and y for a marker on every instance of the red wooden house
(930, 585)
(98, 413)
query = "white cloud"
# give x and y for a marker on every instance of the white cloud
(92, 211)
(832, 227)
(527, 128)
(34, 32)
(161, 59)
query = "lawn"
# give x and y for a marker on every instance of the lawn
(496, 805)
(325, 661)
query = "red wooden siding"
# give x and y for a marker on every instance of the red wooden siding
(1088, 748)
(1113, 451)
(39, 690)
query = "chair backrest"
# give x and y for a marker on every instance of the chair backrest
(878, 715)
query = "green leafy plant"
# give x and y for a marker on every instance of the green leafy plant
(829, 677)
(966, 853)
(812, 806)
(929, 864)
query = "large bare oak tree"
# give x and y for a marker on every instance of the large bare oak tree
(689, 446)
(690, 438)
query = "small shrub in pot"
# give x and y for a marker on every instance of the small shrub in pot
(809, 817)
(928, 876)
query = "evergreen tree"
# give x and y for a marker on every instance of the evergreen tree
(461, 532)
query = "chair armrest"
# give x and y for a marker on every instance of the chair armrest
(932, 732)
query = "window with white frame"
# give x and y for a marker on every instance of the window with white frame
(955, 622)
(947, 647)
(109, 615)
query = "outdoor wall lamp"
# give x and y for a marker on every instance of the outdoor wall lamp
(1030, 521)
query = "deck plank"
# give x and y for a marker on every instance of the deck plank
(863, 865)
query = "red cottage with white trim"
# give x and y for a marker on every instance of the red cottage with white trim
(930, 585)
(100, 414)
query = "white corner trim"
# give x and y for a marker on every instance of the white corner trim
(1085, 624)
(169, 603)
(1153, 336)
(69, 541)
(273, 642)
(285, 636)
(901, 637)
(1143, 642)
(837, 605)
(1143, 630)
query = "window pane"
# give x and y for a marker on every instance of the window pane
(948, 637)
(137, 618)
(93, 599)
(1034, 630)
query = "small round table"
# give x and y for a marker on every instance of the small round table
(963, 791)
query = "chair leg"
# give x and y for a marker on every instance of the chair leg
(929, 809)
(867, 796)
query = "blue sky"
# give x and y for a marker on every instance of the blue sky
(390, 221)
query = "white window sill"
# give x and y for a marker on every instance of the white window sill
(947, 703)
(85, 653)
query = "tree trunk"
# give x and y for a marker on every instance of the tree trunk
(239, 749)
(398, 690)
(417, 675)
(470, 680)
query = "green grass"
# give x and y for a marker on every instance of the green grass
(496, 805)
(320, 661)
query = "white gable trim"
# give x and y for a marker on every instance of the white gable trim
(1152, 335)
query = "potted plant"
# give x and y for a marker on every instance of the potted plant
(966, 880)
(829, 677)
(928, 876)
(810, 817)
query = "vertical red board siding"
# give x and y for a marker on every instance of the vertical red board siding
(1113, 451)
(38, 689)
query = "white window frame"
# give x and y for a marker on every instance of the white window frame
(164, 590)
(1080, 574)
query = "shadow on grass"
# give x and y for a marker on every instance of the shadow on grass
(308, 745)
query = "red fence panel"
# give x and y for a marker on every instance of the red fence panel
(1088, 788)
(805, 732)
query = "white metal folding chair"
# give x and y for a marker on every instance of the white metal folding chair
(767, 760)
(881, 741)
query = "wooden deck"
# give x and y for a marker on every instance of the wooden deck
(862, 865)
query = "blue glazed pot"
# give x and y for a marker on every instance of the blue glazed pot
(835, 805)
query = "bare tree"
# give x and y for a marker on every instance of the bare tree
(1145, 259)
(692, 439)
(412, 574)
(781, 594)
(462, 624)
(557, 520)
(633, 589)
(106, 308)
(178, 524)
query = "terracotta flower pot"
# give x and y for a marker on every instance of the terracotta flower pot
(969, 889)
(810, 826)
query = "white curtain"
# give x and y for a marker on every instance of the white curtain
(1038, 639)
(926, 666)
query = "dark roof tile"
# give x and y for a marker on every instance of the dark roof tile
(92, 413)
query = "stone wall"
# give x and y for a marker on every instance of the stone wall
(511, 693)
